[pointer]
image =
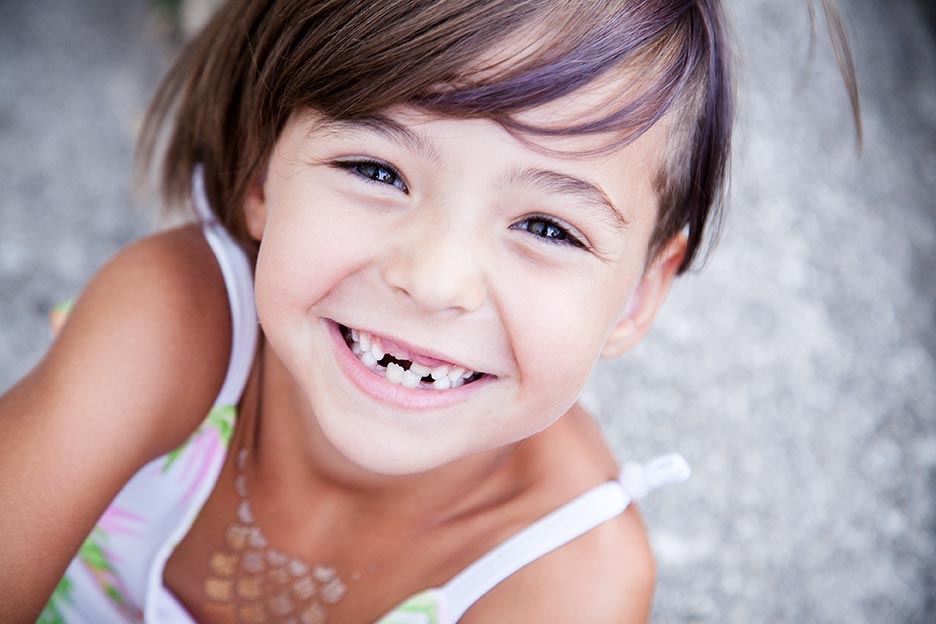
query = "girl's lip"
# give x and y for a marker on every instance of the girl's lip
(378, 388)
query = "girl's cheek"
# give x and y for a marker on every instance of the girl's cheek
(557, 332)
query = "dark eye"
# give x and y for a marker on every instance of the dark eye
(374, 171)
(549, 230)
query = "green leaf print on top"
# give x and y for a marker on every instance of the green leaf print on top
(52, 613)
(92, 553)
(220, 420)
(423, 608)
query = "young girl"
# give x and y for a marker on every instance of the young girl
(441, 213)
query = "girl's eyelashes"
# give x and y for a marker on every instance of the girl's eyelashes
(373, 172)
(549, 230)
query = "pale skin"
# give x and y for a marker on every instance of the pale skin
(449, 251)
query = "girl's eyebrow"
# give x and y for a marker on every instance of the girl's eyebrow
(588, 193)
(385, 127)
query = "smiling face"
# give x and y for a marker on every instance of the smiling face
(452, 245)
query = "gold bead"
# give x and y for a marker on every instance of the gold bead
(253, 562)
(236, 536)
(217, 589)
(333, 591)
(250, 588)
(313, 614)
(222, 564)
(278, 575)
(280, 604)
(304, 588)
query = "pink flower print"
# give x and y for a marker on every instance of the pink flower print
(204, 448)
(94, 555)
(119, 521)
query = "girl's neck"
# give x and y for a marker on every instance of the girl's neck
(296, 467)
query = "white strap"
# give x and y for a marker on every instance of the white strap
(238, 279)
(559, 527)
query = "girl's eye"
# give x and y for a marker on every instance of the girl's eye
(374, 171)
(550, 230)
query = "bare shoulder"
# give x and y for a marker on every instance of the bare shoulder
(133, 370)
(150, 333)
(606, 575)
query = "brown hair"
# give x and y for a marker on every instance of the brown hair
(232, 88)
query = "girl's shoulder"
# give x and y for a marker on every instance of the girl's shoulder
(606, 574)
(132, 371)
(152, 326)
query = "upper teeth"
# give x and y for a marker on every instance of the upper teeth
(419, 369)
(370, 351)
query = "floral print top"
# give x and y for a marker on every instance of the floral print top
(117, 574)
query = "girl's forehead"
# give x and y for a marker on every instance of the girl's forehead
(419, 130)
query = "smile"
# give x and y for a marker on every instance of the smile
(398, 375)
(403, 368)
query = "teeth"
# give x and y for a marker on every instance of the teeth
(370, 351)
(369, 360)
(419, 369)
(410, 379)
(395, 373)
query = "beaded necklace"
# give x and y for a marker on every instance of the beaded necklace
(251, 582)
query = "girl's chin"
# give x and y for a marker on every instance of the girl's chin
(387, 454)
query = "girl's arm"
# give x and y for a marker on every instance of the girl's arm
(132, 373)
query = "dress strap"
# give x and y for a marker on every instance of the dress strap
(238, 279)
(559, 527)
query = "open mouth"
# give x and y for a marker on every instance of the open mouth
(403, 368)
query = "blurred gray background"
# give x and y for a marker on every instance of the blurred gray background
(796, 372)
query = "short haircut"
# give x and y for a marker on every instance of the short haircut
(233, 87)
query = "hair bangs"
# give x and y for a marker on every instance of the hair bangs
(437, 56)
(645, 60)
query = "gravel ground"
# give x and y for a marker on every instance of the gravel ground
(796, 372)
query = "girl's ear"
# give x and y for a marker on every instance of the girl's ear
(255, 206)
(644, 304)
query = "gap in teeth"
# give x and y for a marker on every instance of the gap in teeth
(402, 371)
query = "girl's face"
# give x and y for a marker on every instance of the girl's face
(453, 245)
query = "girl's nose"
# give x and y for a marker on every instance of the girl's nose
(439, 270)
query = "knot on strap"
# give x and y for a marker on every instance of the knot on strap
(639, 480)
